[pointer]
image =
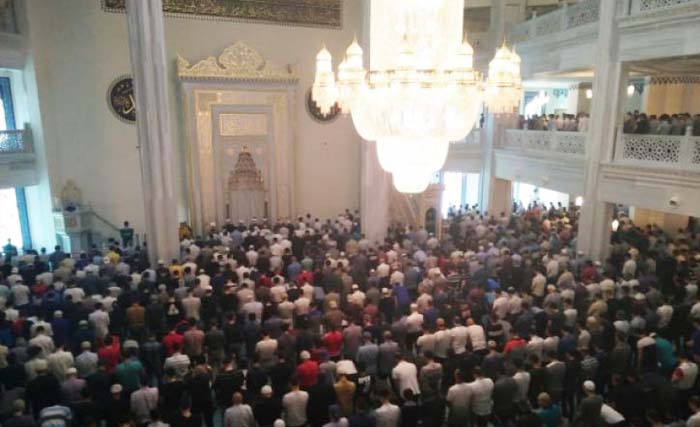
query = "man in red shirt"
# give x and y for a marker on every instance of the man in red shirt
(333, 341)
(513, 343)
(307, 371)
(109, 353)
(305, 277)
(171, 340)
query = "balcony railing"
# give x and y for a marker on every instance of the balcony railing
(15, 144)
(564, 18)
(663, 151)
(555, 142)
(645, 6)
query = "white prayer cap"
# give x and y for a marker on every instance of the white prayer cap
(116, 388)
(57, 314)
(279, 423)
(160, 261)
(266, 390)
(589, 385)
(15, 270)
(355, 287)
(72, 371)
(305, 355)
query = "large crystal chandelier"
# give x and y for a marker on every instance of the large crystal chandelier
(421, 91)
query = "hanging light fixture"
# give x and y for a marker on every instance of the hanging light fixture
(504, 84)
(421, 91)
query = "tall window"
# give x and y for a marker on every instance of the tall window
(14, 222)
(524, 194)
(460, 189)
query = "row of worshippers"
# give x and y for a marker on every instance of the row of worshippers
(662, 124)
(502, 321)
(555, 122)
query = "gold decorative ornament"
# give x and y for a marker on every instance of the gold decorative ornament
(238, 61)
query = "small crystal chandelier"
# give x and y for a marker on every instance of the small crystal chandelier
(504, 85)
(422, 90)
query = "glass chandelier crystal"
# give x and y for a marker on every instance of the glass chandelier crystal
(504, 85)
(421, 91)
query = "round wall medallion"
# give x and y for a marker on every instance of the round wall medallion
(315, 112)
(120, 98)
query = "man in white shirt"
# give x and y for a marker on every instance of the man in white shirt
(143, 401)
(77, 294)
(99, 320)
(252, 256)
(405, 376)
(611, 416)
(501, 304)
(20, 293)
(685, 375)
(425, 342)
(294, 406)
(240, 414)
(86, 362)
(482, 403)
(539, 283)
(458, 399)
(414, 324)
(59, 362)
(443, 340)
(387, 415)
(477, 336)
(191, 304)
(178, 361)
(43, 341)
(522, 379)
(460, 337)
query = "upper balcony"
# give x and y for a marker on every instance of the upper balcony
(566, 39)
(465, 155)
(551, 159)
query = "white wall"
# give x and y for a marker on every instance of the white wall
(78, 50)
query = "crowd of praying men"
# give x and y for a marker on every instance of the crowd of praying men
(491, 320)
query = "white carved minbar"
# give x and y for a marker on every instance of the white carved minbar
(238, 96)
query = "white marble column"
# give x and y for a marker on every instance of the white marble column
(494, 194)
(375, 193)
(147, 47)
(609, 92)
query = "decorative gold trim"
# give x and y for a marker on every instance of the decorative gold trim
(238, 61)
(314, 13)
